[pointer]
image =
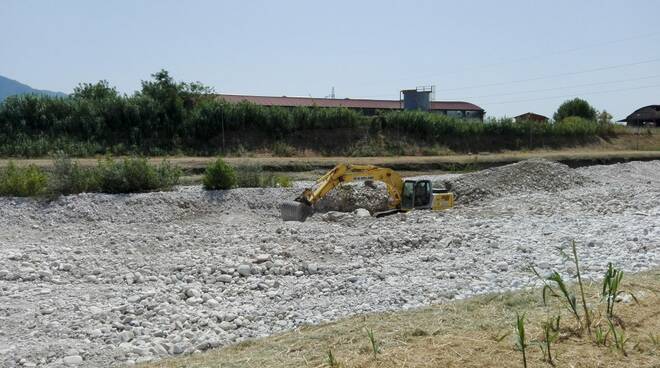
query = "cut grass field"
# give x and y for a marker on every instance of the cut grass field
(476, 332)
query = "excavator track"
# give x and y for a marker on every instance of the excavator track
(295, 211)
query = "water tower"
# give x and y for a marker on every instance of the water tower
(418, 98)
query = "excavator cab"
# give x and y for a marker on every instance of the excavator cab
(417, 194)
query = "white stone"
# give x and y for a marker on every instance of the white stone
(244, 270)
(224, 278)
(73, 360)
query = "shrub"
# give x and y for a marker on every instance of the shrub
(135, 175)
(282, 181)
(282, 149)
(253, 176)
(22, 181)
(219, 175)
(69, 178)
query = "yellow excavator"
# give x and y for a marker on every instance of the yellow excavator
(405, 195)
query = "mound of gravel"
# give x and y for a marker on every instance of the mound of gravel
(522, 177)
(371, 196)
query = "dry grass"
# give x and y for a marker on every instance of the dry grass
(298, 163)
(478, 332)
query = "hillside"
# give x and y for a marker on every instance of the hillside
(10, 87)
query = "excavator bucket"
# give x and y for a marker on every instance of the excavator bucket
(295, 211)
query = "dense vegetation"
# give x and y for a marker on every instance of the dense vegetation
(67, 177)
(168, 117)
(129, 175)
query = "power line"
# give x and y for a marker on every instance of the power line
(526, 58)
(609, 67)
(566, 51)
(573, 95)
(561, 88)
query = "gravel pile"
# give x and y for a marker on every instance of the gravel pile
(521, 177)
(371, 196)
(108, 280)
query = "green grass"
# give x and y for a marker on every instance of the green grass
(521, 341)
(611, 285)
(375, 347)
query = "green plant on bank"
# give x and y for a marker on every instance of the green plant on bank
(520, 337)
(550, 335)
(587, 318)
(655, 340)
(22, 181)
(109, 176)
(569, 297)
(253, 176)
(500, 337)
(219, 175)
(619, 338)
(600, 336)
(282, 149)
(282, 181)
(135, 175)
(375, 349)
(610, 291)
(332, 361)
(67, 177)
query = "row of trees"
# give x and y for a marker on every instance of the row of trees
(166, 116)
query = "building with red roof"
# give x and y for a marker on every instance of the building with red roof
(368, 107)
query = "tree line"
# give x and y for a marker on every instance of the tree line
(166, 117)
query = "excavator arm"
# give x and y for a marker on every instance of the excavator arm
(342, 173)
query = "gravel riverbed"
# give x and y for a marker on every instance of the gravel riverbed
(98, 280)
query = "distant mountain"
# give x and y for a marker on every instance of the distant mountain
(10, 87)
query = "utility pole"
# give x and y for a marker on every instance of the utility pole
(222, 122)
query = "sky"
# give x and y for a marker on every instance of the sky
(509, 57)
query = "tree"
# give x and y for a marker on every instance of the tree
(604, 117)
(95, 91)
(575, 107)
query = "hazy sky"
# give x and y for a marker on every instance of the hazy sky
(509, 57)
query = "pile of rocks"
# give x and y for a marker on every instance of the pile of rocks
(521, 177)
(372, 196)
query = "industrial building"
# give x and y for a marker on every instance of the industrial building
(645, 116)
(411, 99)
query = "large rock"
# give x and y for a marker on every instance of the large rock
(244, 270)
